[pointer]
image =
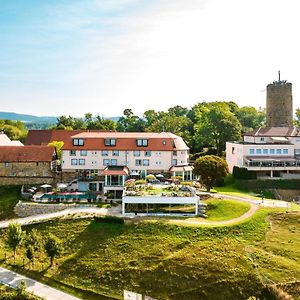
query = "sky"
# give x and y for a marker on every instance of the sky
(61, 57)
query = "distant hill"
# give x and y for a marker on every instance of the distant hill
(26, 118)
(34, 119)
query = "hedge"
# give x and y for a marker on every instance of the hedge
(109, 219)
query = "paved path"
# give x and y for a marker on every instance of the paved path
(115, 211)
(254, 205)
(13, 279)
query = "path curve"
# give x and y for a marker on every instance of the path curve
(116, 211)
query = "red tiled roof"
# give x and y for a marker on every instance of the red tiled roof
(44, 137)
(164, 141)
(274, 131)
(26, 154)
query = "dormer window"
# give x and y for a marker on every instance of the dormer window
(78, 142)
(142, 142)
(164, 142)
(110, 142)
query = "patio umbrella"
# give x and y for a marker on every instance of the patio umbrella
(61, 186)
(44, 186)
(160, 176)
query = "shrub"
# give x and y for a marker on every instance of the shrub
(187, 183)
(140, 181)
(243, 173)
(108, 219)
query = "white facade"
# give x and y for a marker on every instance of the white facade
(268, 156)
(135, 160)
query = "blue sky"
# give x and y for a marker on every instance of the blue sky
(102, 56)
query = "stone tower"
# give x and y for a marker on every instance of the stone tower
(279, 104)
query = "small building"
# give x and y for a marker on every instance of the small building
(25, 164)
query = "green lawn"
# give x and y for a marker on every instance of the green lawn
(222, 210)
(7, 293)
(9, 196)
(172, 262)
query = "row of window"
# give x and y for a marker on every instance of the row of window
(147, 153)
(112, 142)
(268, 151)
(114, 162)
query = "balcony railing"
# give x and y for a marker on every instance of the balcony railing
(272, 164)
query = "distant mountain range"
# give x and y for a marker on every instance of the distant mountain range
(34, 119)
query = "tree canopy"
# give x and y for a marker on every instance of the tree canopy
(210, 168)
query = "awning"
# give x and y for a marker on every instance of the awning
(279, 139)
(115, 170)
(181, 168)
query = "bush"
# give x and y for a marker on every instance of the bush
(140, 181)
(243, 173)
(109, 219)
(187, 183)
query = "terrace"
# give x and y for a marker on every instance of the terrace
(149, 199)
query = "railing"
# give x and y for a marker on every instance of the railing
(273, 164)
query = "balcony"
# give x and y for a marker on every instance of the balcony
(272, 164)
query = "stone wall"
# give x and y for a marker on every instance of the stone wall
(25, 180)
(31, 209)
(26, 169)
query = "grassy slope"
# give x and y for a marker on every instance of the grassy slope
(9, 196)
(175, 262)
(221, 210)
(10, 293)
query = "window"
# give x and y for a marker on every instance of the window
(272, 151)
(106, 162)
(158, 163)
(174, 162)
(138, 162)
(148, 153)
(137, 153)
(104, 153)
(258, 151)
(78, 142)
(115, 153)
(110, 142)
(114, 162)
(6, 164)
(82, 162)
(232, 150)
(278, 151)
(158, 153)
(251, 151)
(285, 151)
(145, 162)
(72, 152)
(142, 142)
(265, 151)
(297, 151)
(175, 153)
(262, 139)
(164, 142)
(37, 163)
(94, 152)
(94, 162)
(83, 153)
(74, 162)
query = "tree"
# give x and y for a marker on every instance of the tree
(58, 146)
(33, 244)
(130, 122)
(215, 125)
(53, 247)
(210, 168)
(251, 118)
(14, 237)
